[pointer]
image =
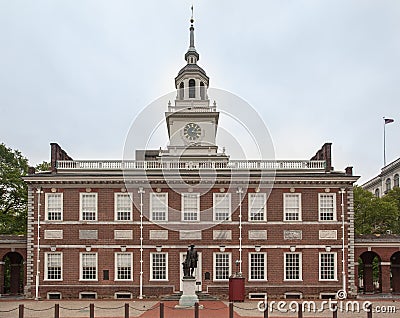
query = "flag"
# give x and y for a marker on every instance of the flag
(388, 120)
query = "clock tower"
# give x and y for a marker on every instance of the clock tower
(192, 121)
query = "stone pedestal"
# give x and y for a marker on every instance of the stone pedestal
(189, 297)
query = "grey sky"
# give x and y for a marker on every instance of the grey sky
(78, 72)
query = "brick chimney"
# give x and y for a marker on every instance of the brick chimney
(325, 154)
(57, 153)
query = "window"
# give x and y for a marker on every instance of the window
(190, 206)
(88, 206)
(88, 266)
(293, 266)
(123, 265)
(388, 184)
(257, 206)
(257, 266)
(53, 266)
(54, 206)
(327, 266)
(292, 206)
(181, 90)
(222, 206)
(87, 295)
(192, 88)
(327, 206)
(377, 194)
(159, 266)
(123, 207)
(222, 266)
(159, 206)
(396, 181)
(202, 91)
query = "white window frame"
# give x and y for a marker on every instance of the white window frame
(46, 267)
(116, 267)
(153, 195)
(264, 210)
(300, 268)
(129, 195)
(47, 205)
(335, 278)
(183, 206)
(215, 207)
(166, 267)
(215, 266)
(265, 267)
(81, 266)
(320, 195)
(299, 213)
(81, 195)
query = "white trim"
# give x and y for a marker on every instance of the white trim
(152, 195)
(116, 267)
(45, 278)
(334, 207)
(81, 267)
(130, 196)
(249, 195)
(335, 266)
(81, 194)
(265, 267)
(151, 267)
(46, 206)
(229, 197)
(215, 279)
(183, 206)
(284, 207)
(300, 267)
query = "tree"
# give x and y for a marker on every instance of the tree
(373, 215)
(43, 167)
(13, 191)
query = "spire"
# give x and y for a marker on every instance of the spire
(191, 55)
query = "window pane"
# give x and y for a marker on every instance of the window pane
(222, 209)
(222, 265)
(89, 206)
(54, 206)
(159, 206)
(124, 266)
(89, 266)
(54, 266)
(326, 207)
(257, 203)
(190, 207)
(292, 207)
(292, 266)
(257, 266)
(123, 207)
(159, 266)
(327, 266)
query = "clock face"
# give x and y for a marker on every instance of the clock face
(192, 131)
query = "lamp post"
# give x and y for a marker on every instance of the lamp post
(141, 192)
(38, 192)
(240, 192)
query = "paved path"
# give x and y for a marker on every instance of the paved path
(150, 309)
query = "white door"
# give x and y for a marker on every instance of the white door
(197, 271)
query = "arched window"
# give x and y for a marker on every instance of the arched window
(202, 91)
(396, 180)
(388, 184)
(377, 194)
(181, 91)
(192, 88)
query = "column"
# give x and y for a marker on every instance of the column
(385, 273)
(2, 264)
(368, 279)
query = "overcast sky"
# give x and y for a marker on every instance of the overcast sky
(78, 72)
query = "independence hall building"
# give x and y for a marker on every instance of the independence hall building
(121, 229)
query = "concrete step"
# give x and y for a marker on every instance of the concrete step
(177, 296)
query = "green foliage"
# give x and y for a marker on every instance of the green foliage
(13, 191)
(43, 167)
(373, 215)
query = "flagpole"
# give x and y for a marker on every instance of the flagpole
(384, 142)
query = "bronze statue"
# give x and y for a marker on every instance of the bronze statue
(190, 262)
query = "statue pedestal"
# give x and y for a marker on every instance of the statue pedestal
(189, 297)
